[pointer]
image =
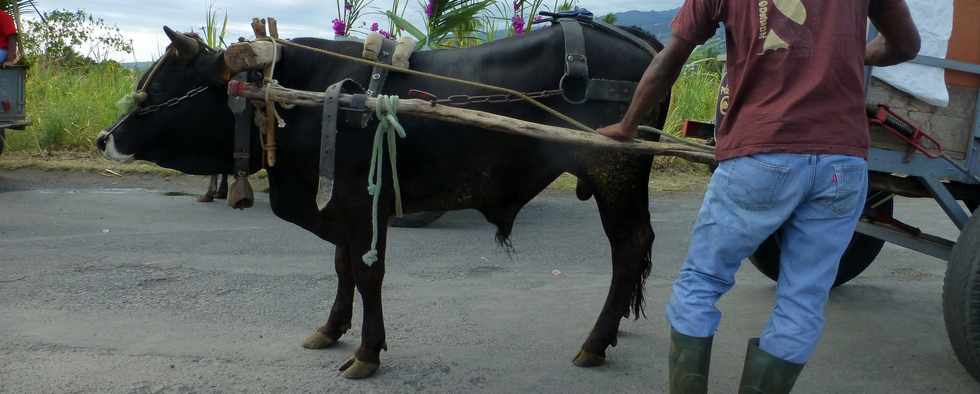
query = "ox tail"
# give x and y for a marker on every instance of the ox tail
(637, 302)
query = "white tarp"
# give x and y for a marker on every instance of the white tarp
(934, 18)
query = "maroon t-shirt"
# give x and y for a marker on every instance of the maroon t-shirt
(795, 72)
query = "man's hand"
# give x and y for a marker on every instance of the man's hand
(618, 131)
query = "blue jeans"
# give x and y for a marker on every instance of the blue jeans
(815, 199)
(3, 55)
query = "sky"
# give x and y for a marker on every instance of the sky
(142, 20)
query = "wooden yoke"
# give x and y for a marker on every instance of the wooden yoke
(271, 117)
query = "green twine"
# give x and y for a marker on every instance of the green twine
(127, 103)
(130, 102)
(388, 126)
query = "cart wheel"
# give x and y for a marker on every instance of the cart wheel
(415, 220)
(859, 254)
(961, 298)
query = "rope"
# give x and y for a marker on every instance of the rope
(679, 140)
(389, 67)
(388, 127)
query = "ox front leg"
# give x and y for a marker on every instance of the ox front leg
(343, 305)
(222, 188)
(366, 361)
(631, 238)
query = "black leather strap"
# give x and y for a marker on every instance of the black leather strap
(575, 83)
(328, 145)
(380, 75)
(328, 139)
(243, 130)
(610, 90)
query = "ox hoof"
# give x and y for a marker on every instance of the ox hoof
(586, 359)
(318, 340)
(357, 369)
(206, 198)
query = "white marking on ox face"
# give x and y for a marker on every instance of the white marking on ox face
(110, 152)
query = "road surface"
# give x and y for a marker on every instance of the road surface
(127, 285)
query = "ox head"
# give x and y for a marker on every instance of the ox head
(179, 116)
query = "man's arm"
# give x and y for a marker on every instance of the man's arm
(656, 82)
(13, 56)
(898, 39)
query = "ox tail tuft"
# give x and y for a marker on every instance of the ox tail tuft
(637, 302)
(584, 190)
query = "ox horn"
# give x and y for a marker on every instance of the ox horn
(186, 46)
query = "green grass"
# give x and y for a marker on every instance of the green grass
(69, 105)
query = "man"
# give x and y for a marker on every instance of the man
(791, 146)
(8, 40)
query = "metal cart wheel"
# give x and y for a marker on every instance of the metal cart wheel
(860, 253)
(416, 220)
(961, 298)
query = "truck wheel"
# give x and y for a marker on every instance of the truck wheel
(415, 220)
(860, 253)
(961, 298)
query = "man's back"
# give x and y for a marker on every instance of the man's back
(795, 74)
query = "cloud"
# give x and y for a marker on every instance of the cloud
(142, 21)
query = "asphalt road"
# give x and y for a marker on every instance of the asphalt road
(122, 285)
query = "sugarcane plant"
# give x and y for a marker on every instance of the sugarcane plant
(448, 23)
(214, 35)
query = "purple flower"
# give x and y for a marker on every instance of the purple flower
(348, 6)
(374, 27)
(339, 27)
(430, 8)
(518, 23)
(385, 34)
(517, 5)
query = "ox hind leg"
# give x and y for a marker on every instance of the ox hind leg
(339, 321)
(623, 207)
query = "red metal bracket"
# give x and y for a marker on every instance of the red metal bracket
(905, 130)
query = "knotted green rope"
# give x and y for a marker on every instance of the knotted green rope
(388, 126)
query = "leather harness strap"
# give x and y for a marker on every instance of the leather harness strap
(380, 75)
(240, 195)
(576, 85)
(575, 82)
(328, 139)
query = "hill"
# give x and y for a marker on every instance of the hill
(658, 24)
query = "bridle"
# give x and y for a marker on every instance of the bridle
(139, 95)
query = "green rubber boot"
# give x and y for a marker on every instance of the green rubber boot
(767, 374)
(690, 358)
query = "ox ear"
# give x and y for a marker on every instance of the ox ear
(186, 46)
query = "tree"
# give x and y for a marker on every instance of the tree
(62, 34)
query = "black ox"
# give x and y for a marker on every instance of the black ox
(441, 166)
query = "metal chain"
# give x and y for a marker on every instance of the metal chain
(172, 102)
(459, 100)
